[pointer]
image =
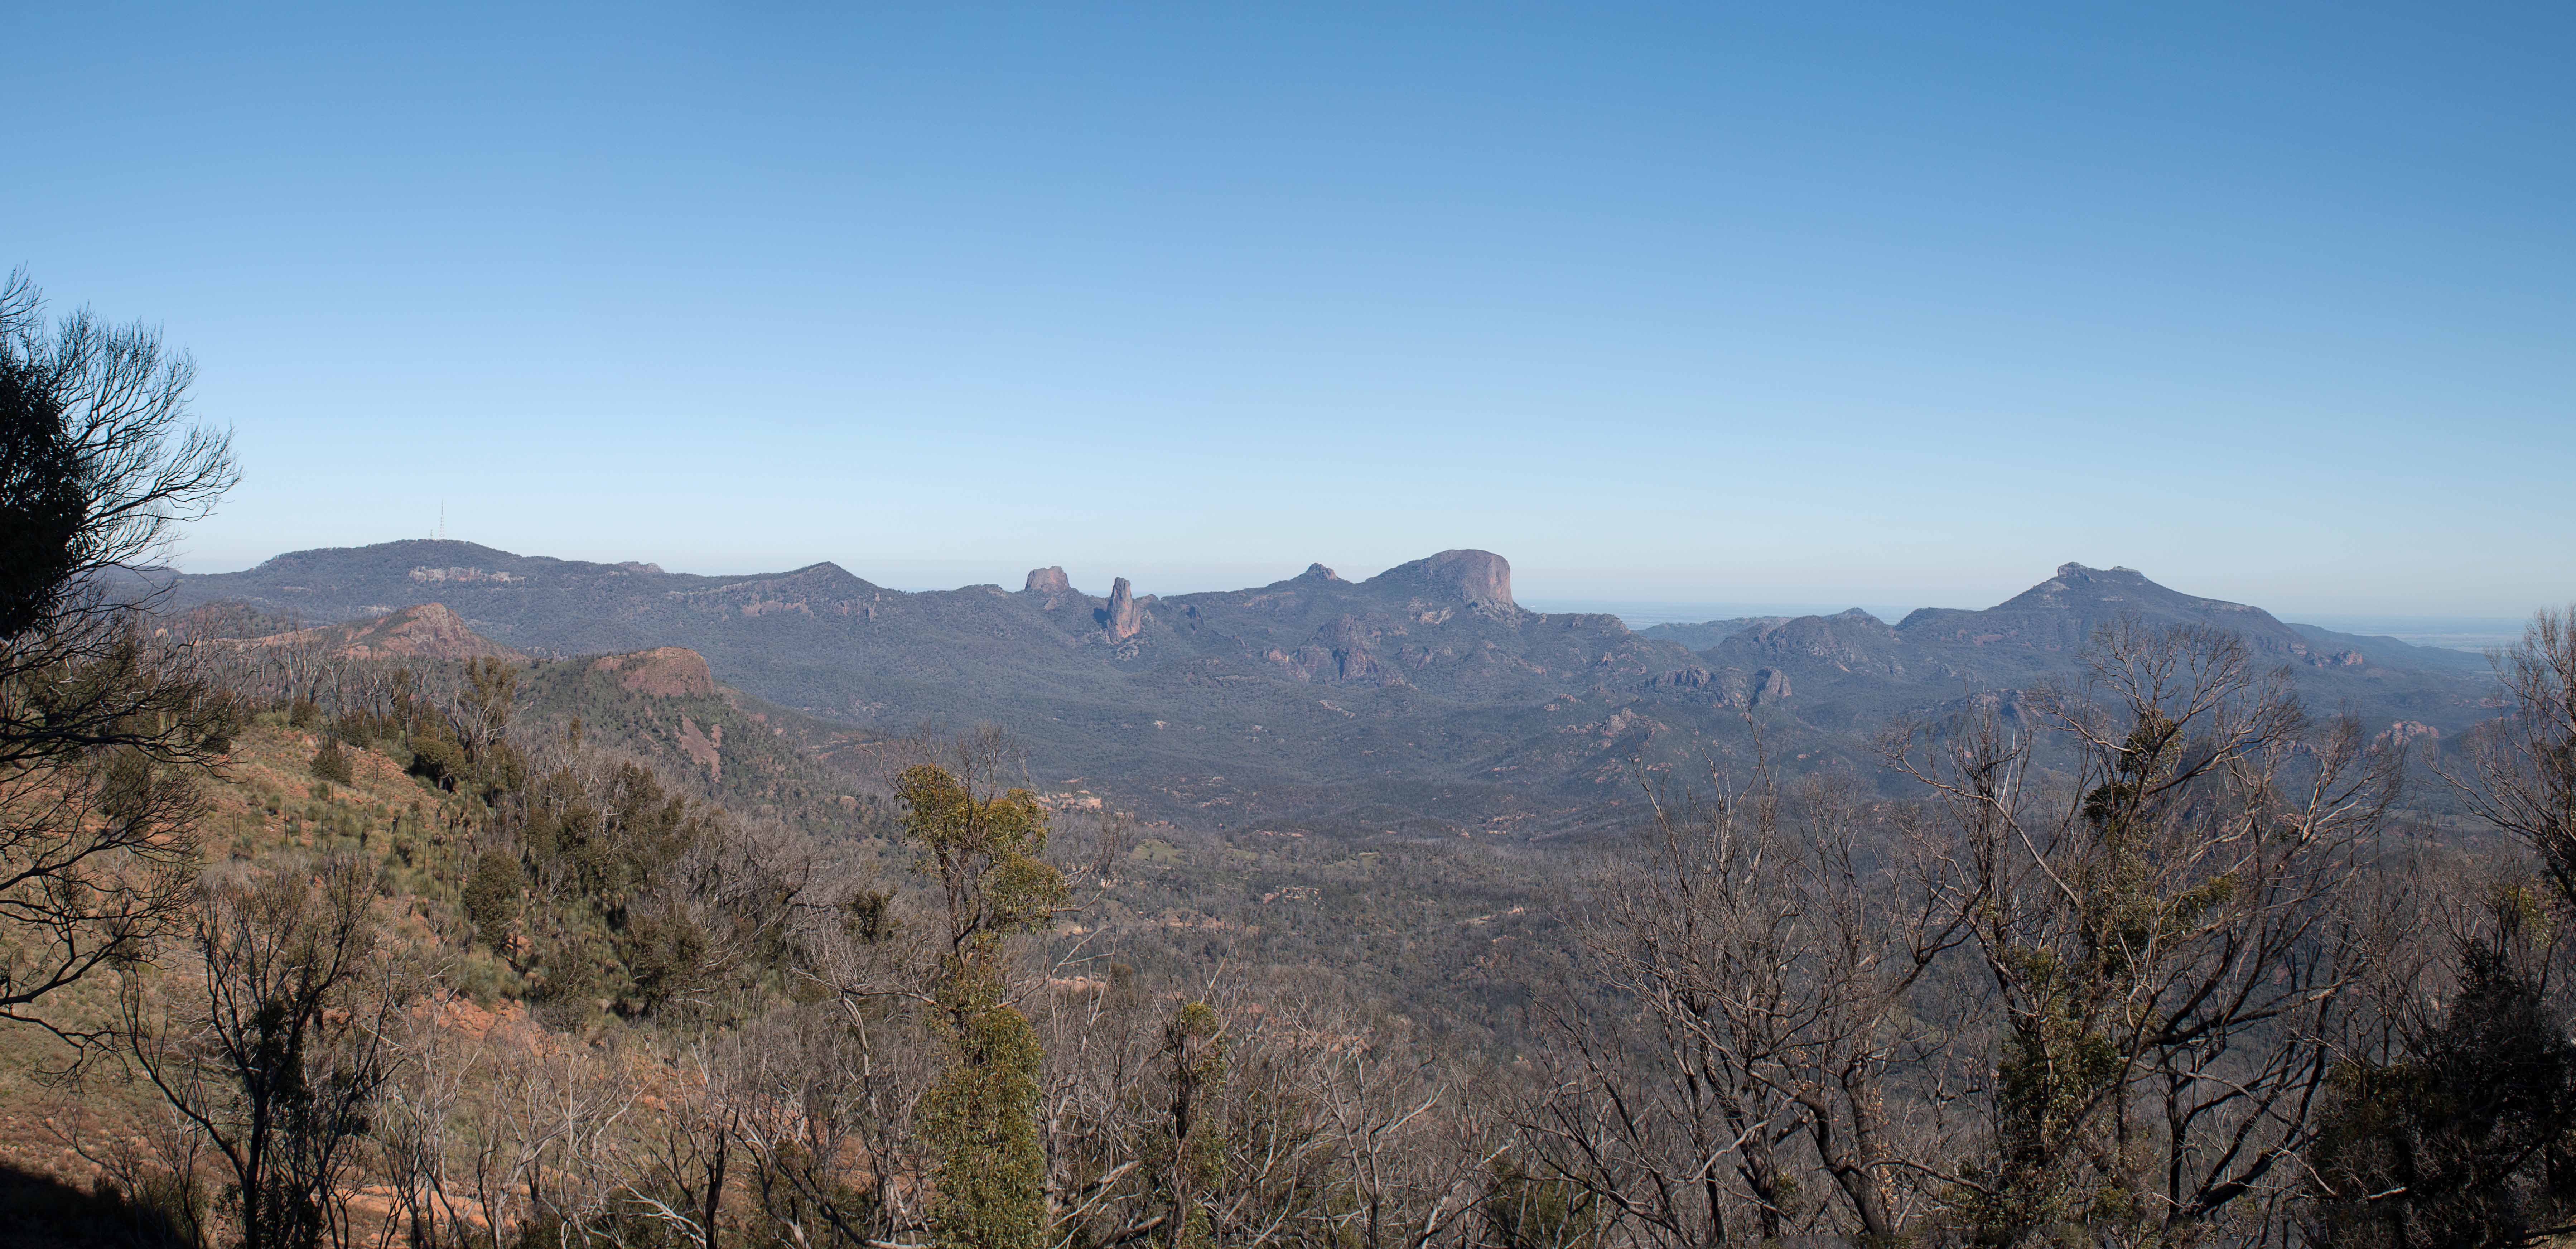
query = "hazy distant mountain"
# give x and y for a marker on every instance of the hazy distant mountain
(2059, 614)
(1707, 633)
(1424, 696)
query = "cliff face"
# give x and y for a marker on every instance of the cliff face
(1478, 580)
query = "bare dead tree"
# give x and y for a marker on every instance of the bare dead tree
(414, 1129)
(2165, 928)
(97, 863)
(2520, 770)
(1762, 961)
(821, 1111)
(279, 1043)
(1659, 1111)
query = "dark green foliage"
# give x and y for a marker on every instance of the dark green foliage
(435, 756)
(668, 956)
(43, 506)
(620, 862)
(980, 1118)
(97, 464)
(330, 763)
(2464, 1142)
(2059, 1068)
(492, 898)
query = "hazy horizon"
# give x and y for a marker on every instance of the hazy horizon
(2471, 631)
(1850, 303)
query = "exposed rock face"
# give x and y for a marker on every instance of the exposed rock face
(1481, 579)
(429, 631)
(1353, 661)
(1317, 572)
(664, 672)
(1124, 619)
(1049, 581)
(2405, 733)
(1770, 685)
(706, 749)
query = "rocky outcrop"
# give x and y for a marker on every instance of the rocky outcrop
(1733, 687)
(429, 631)
(1122, 618)
(2329, 659)
(1481, 580)
(706, 749)
(663, 672)
(2405, 733)
(1343, 652)
(1354, 662)
(1317, 572)
(1048, 581)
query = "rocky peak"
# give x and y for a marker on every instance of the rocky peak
(1482, 579)
(1123, 618)
(1317, 572)
(2078, 574)
(2063, 612)
(1048, 580)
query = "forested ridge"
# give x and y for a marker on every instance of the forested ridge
(1425, 699)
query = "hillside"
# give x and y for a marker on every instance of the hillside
(1423, 698)
(1438, 930)
(662, 707)
(428, 631)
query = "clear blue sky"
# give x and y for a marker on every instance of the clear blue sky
(1886, 304)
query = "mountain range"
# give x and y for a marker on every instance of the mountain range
(1423, 698)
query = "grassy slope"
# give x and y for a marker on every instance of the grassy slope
(264, 802)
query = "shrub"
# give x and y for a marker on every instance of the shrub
(331, 763)
(492, 898)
